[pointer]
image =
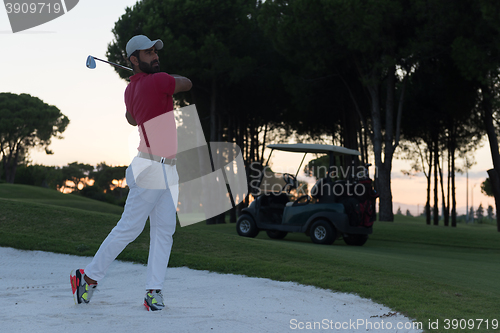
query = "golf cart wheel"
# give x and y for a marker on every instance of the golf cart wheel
(246, 226)
(355, 240)
(276, 234)
(322, 232)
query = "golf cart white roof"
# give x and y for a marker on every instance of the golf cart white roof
(313, 148)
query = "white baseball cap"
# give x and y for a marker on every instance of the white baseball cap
(141, 42)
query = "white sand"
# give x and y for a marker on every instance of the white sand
(35, 296)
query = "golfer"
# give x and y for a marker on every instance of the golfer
(152, 175)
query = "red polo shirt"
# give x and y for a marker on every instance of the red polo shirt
(149, 95)
(148, 98)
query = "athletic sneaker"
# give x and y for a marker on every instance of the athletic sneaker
(154, 300)
(82, 292)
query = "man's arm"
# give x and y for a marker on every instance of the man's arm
(130, 119)
(181, 83)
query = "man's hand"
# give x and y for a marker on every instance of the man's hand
(181, 83)
(130, 119)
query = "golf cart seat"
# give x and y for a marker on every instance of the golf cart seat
(274, 201)
(272, 207)
(323, 190)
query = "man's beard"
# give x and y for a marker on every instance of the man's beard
(151, 68)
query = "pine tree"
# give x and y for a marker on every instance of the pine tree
(480, 213)
(471, 215)
(489, 212)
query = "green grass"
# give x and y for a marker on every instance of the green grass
(33, 194)
(426, 272)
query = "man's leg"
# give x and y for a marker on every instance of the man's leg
(162, 225)
(140, 203)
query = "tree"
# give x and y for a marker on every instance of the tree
(27, 122)
(319, 168)
(477, 54)
(480, 213)
(40, 175)
(471, 215)
(398, 212)
(221, 50)
(418, 151)
(237, 88)
(486, 188)
(441, 121)
(408, 213)
(489, 212)
(378, 55)
(323, 81)
(78, 173)
(381, 51)
(104, 175)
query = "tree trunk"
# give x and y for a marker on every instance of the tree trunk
(429, 177)
(448, 179)
(220, 128)
(367, 160)
(213, 130)
(495, 185)
(391, 142)
(453, 188)
(256, 145)
(385, 205)
(436, 166)
(7, 161)
(391, 137)
(231, 137)
(383, 182)
(213, 112)
(221, 218)
(361, 146)
(446, 214)
(494, 173)
(241, 143)
(363, 131)
(251, 135)
(11, 165)
(349, 134)
(263, 145)
(244, 141)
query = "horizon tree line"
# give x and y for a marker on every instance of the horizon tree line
(413, 79)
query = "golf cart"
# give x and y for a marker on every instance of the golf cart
(338, 206)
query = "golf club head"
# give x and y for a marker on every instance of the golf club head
(90, 62)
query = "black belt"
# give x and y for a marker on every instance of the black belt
(160, 159)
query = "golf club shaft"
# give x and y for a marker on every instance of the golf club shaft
(112, 63)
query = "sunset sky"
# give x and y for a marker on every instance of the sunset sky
(48, 62)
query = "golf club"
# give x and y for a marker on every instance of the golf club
(91, 63)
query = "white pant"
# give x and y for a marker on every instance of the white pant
(160, 205)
